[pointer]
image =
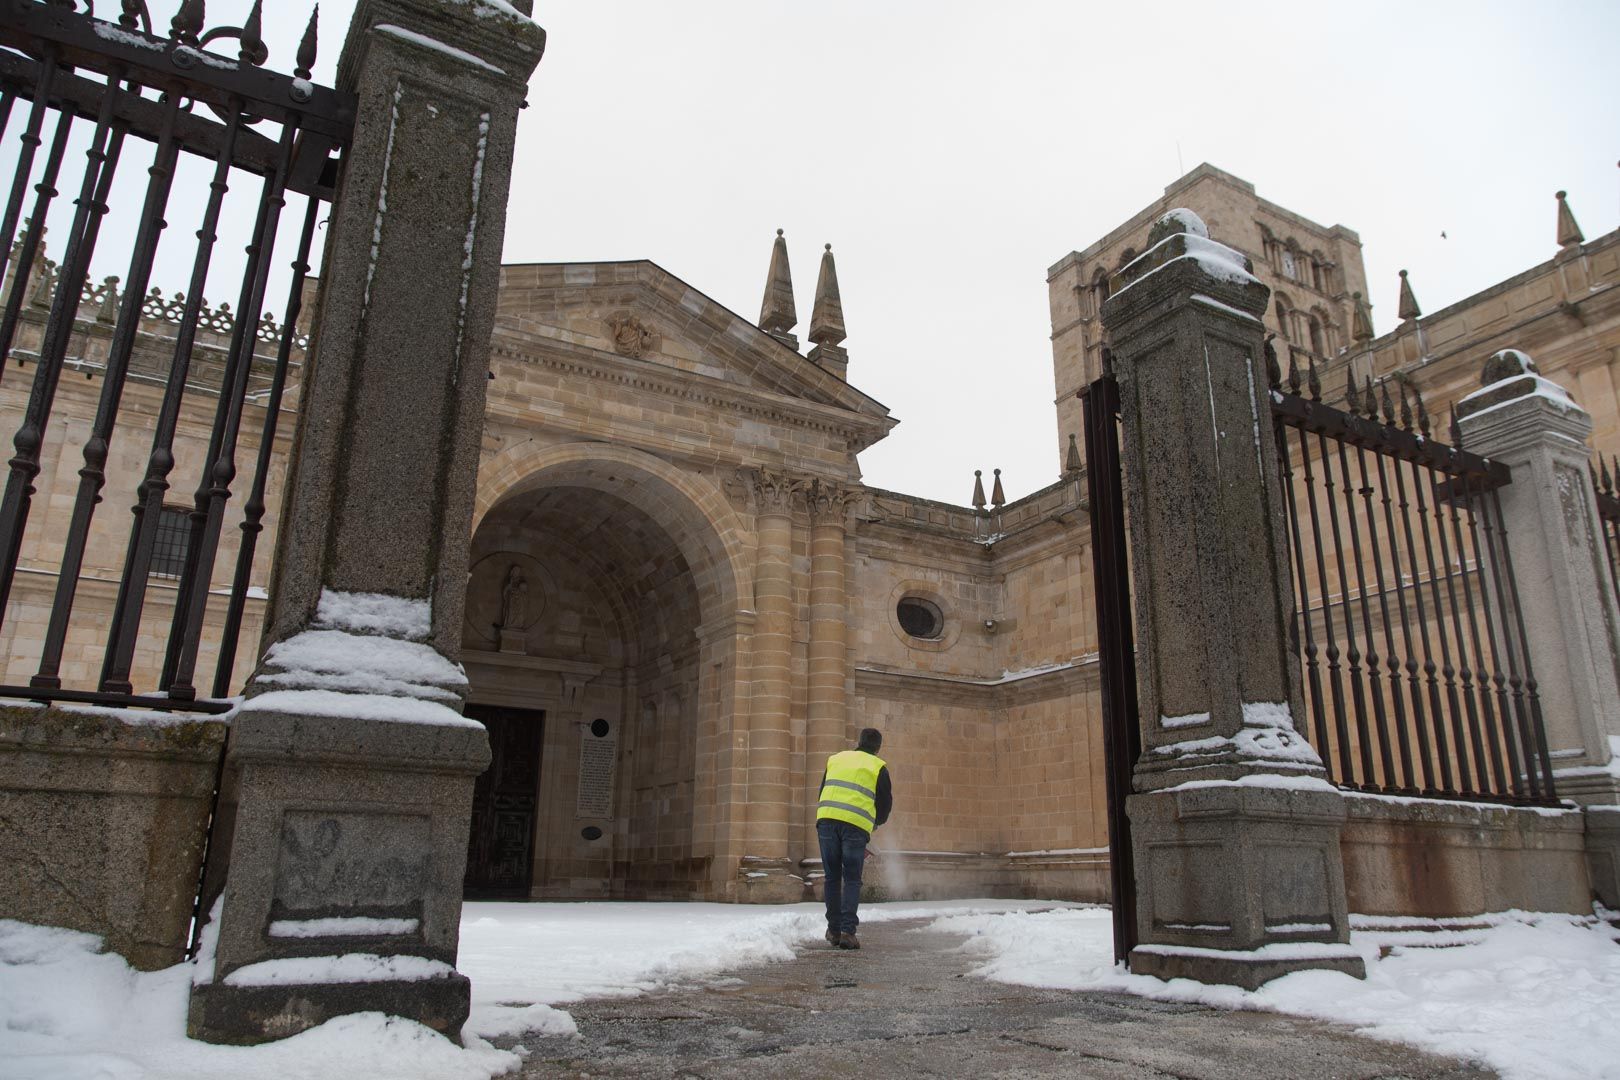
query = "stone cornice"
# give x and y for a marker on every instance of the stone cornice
(592, 363)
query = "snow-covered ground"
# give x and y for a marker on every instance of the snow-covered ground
(1534, 996)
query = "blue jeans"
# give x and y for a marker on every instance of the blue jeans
(843, 856)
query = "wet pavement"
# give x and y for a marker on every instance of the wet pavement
(903, 1006)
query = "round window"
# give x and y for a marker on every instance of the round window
(590, 832)
(920, 618)
(600, 728)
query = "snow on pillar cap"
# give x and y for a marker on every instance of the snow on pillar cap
(1181, 234)
(1508, 376)
(1179, 220)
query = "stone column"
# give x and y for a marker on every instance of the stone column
(827, 722)
(1571, 619)
(769, 733)
(719, 802)
(1235, 831)
(342, 829)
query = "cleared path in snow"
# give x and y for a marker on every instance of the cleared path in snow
(902, 1007)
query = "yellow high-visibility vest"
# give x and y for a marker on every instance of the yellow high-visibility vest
(850, 793)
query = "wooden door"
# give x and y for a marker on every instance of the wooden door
(500, 850)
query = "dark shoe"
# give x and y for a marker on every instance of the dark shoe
(832, 937)
(848, 941)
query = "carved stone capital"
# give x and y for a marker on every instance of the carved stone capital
(827, 502)
(773, 491)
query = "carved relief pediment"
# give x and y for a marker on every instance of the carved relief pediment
(630, 336)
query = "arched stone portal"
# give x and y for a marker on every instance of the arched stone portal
(600, 641)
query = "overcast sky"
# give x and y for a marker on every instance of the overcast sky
(952, 152)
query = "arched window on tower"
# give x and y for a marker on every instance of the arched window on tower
(1099, 290)
(1290, 261)
(1280, 306)
(1318, 338)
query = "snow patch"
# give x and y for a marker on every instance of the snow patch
(1261, 780)
(437, 46)
(375, 613)
(1211, 302)
(379, 707)
(69, 1009)
(1267, 734)
(1185, 720)
(1532, 995)
(347, 968)
(1213, 257)
(342, 926)
(108, 32)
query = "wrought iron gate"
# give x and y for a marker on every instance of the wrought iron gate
(66, 67)
(1408, 625)
(1110, 564)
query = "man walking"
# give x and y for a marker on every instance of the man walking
(855, 799)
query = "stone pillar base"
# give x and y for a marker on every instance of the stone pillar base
(1246, 970)
(1240, 882)
(769, 881)
(245, 1015)
(1603, 853)
(336, 837)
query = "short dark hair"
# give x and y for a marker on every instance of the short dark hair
(871, 740)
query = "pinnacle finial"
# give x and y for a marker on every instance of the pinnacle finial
(827, 317)
(1409, 306)
(777, 315)
(305, 58)
(978, 489)
(1569, 233)
(1361, 328)
(997, 499)
(1071, 461)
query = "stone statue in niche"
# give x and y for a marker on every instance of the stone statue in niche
(514, 611)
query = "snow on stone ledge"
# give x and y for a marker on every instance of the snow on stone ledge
(375, 613)
(1543, 388)
(348, 968)
(1268, 734)
(342, 926)
(495, 9)
(360, 663)
(381, 707)
(437, 46)
(1261, 780)
(1213, 257)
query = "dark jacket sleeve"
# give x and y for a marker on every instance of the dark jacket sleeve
(885, 795)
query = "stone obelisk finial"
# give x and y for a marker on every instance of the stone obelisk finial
(827, 320)
(978, 489)
(777, 316)
(1409, 306)
(1361, 328)
(1569, 233)
(1071, 460)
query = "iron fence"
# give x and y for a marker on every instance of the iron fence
(1608, 504)
(1407, 617)
(67, 70)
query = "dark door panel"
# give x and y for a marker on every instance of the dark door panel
(500, 849)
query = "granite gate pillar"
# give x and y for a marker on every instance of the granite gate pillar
(1571, 617)
(1235, 830)
(334, 880)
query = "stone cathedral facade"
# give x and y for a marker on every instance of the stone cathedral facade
(682, 597)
